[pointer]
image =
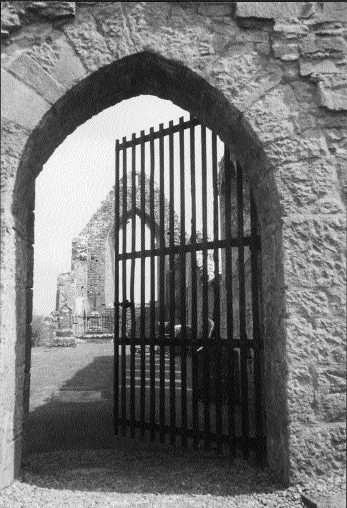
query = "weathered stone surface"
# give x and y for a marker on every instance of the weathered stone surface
(215, 8)
(296, 112)
(333, 11)
(13, 141)
(312, 45)
(53, 10)
(286, 50)
(274, 10)
(322, 340)
(296, 148)
(290, 30)
(320, 265)
(319, 67)
(9, 19)
(273, 115)
(11, 457)
(333, 93)
(331, 393)
(87, 41)
(58, 58)
(311, 186)
(19, 103)
(33, 75)
(319, 447)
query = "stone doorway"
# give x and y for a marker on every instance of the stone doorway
(285, 131)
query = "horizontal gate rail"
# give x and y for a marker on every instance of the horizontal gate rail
(200, 343)
(190, 433)
(178, 249)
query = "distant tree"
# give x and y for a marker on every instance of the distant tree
(38, 330)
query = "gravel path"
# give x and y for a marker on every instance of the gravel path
(143, 475)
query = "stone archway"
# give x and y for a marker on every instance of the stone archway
(285, 154)
(166, 79)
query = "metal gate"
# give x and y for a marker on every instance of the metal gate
(187, 327)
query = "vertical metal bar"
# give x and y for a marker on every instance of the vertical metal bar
(116, 293)
(162, 284)
(207, 355)
(229, 301)
(132, 293)
(195, 354)
(172, 290)
(152, 289)
(142, 292)
(183, 302)
(242, 309)
(257, 339)
(218, 373)
(124, 295)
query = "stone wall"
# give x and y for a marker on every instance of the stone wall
(270, 79)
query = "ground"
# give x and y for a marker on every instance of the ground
(74, 459)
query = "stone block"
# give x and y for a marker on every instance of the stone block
(9, 20)
(19, 103)
(10, 463)
(332, 11)
(334, 46)
(309, 187)
(319, 340)
(273, 10)
(273, 114)
(296, 148)
(290, 30)
(286, 50)
(318, 67)
(58, 58)
(13, 140)
(331, 407)
(87, 41)
(332, 378)
(333, 93)
(301, 392)
(215, 9)
(34, 75)
(53, 10)
(317, 450)
(315, 259)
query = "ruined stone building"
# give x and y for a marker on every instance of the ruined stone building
(269, 78)
(89, 288)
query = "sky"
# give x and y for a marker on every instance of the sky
(79, 175)
(76, 179)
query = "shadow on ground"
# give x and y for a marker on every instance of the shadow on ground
(71, 445)
(63, 423)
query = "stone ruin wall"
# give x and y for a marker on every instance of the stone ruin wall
(84, 285)
(283, 66)
(92, 265)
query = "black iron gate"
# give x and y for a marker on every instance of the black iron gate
(187, 328)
